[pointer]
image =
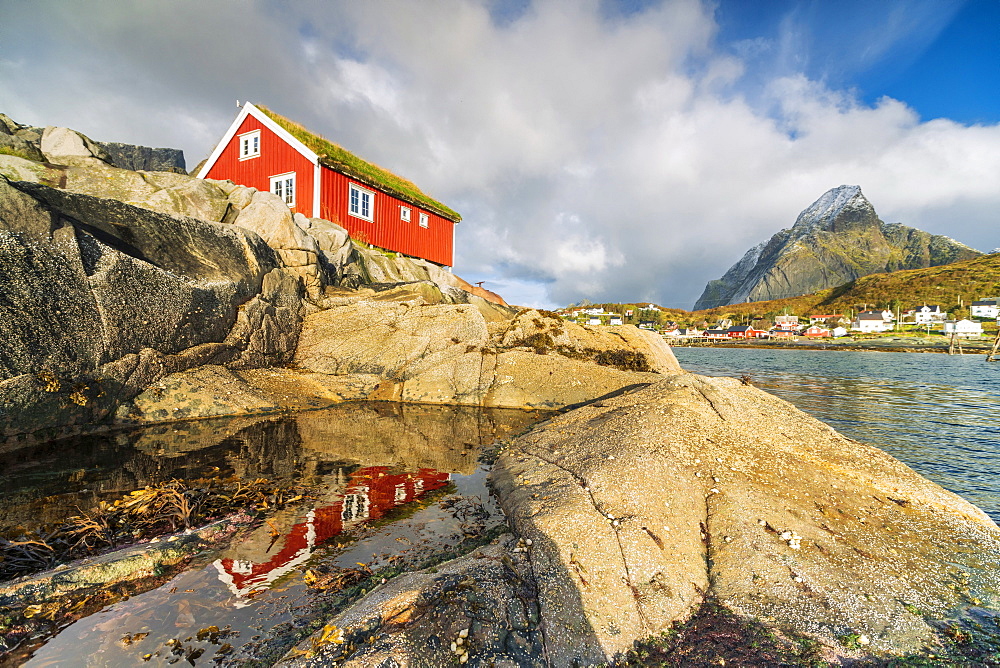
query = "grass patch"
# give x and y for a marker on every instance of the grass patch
(17, 153)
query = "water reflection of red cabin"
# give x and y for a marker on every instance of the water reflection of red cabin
(371, 492)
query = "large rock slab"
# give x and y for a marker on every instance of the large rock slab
(397, 340)
(643, 505)
(625, 347)
(450, 354)
(61, 143)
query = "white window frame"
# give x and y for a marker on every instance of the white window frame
(404, 214)
(249, 145)
(358, 212)
(288, 183)
(425, 220)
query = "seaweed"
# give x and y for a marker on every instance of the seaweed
(143, 513)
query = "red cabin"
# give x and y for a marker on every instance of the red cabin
(319, 179)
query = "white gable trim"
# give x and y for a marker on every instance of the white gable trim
(250, 110)
(317, 188)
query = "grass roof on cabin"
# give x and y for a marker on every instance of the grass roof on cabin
(344, 161)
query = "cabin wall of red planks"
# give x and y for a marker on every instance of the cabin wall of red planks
(276, 157)
(387, 229)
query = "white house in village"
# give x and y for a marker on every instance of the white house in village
(599, 317)
(682, 333)
(985, 308)
(871, 321)
(828, 318)
(963, 328)
(925, 314)
(838, 331)
(787, 323)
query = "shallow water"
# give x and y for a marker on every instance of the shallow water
(937, 413)
(393, 484)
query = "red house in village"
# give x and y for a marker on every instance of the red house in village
(745, 332)
(816, 332)
(322, 180)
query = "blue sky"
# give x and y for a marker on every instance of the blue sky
(614, 151)
(941, 57)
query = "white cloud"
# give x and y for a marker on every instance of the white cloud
(597, 157)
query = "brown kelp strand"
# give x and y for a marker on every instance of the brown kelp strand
(144, 513)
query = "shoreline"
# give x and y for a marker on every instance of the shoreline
(977, 348)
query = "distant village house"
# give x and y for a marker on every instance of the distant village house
(745, 332)
(828, 318)
(925, 314)
(682, 333)
(962, 328)
(871, 321)
(787, 323)
(985, 308)
(816, 332)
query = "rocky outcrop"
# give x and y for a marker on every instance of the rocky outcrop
(100, 298)
(59, 144)
(55, 144)
(144, 158)
(642, 506)
(117, 280)
(837, 239)
(19, 140)
(419, 352)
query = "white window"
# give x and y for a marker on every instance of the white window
(355, 506)
(283, 186)
(404, 214)
(423, 220)
(250, 145)
(362, 203)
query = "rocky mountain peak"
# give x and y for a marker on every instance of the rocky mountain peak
(843, 203)
(836, 239)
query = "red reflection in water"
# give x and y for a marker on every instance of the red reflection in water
(370, 493)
